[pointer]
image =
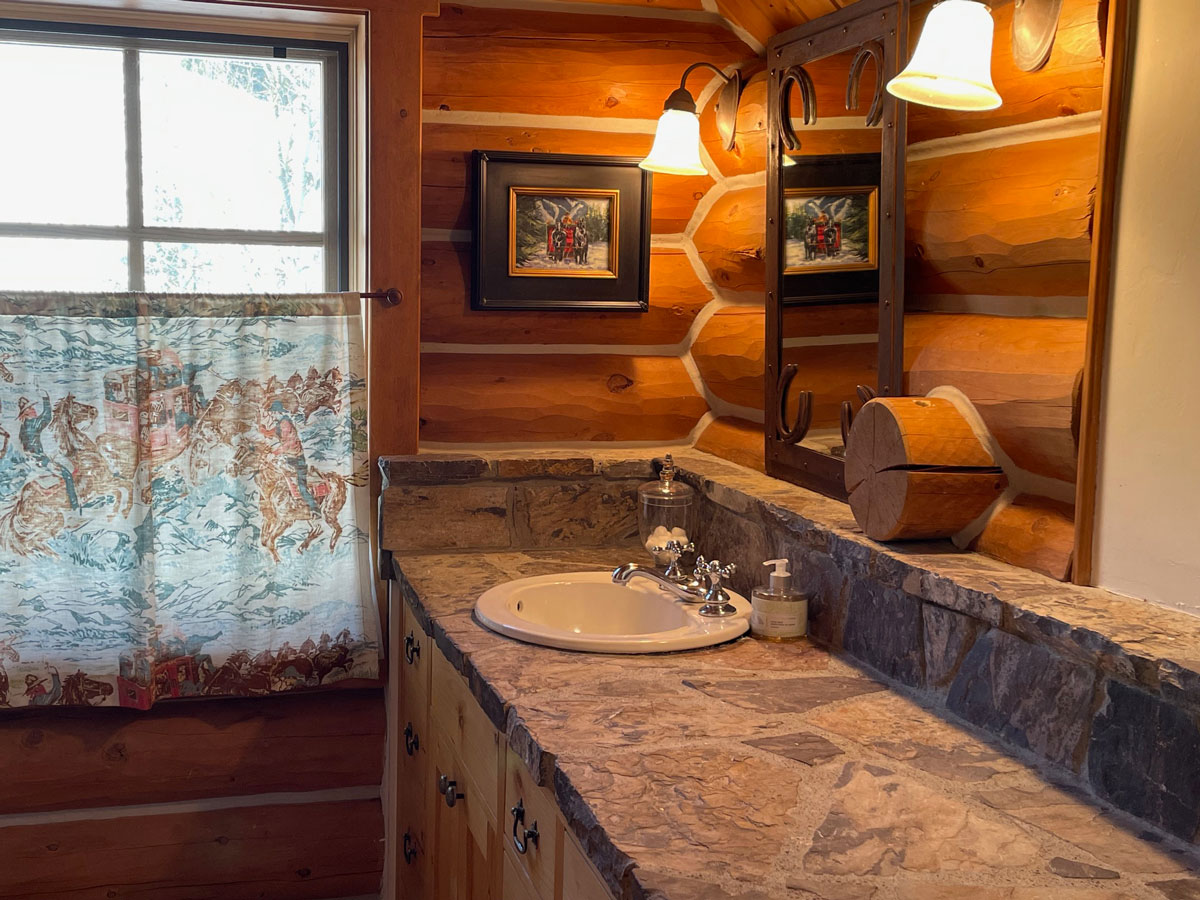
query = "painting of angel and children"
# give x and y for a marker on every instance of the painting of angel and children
(830, 229)
(571, 233)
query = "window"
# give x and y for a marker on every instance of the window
(170, 161)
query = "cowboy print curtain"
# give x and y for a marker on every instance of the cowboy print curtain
(183, 508)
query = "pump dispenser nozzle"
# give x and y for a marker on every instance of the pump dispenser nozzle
(781, 578)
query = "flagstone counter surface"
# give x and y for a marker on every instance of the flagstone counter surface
(761, 771)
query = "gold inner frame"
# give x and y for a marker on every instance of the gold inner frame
(872, 261)
(614, 197)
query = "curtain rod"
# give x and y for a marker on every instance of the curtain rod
(390, 297)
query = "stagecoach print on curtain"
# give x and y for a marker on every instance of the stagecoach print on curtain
(182, 497)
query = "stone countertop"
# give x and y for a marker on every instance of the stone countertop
(762, 771)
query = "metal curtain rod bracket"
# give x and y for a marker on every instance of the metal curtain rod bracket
(390, 297)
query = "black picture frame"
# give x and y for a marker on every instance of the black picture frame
(503, 279)
(843, 172)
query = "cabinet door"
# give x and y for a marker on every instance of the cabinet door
(414, 858)
(466, 852)
(529, 824)
(515, 885)
(580, 880)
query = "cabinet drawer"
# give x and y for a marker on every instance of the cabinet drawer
(464, 726)
(515, 886)
(416, 660)
(529, 807)
(580, 880)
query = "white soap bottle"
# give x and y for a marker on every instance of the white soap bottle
(778, 612)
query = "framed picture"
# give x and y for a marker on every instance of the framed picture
(559, 232)
(830, 239)
(834, 229)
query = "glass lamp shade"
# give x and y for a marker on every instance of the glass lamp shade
(676, 149)
(952, 65)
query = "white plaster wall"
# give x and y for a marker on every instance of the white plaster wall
(1148, 520)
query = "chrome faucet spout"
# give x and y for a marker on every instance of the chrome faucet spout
(626, 573)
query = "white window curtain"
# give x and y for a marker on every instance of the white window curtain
(183, 500)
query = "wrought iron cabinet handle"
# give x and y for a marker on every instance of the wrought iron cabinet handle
(412, 648)
(531, 833)
(449, 790)
(412, 741)
(410, 852)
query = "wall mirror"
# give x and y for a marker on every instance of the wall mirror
(835, 231)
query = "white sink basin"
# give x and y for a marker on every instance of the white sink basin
(586, 611)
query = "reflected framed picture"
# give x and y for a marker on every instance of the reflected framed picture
(830, 229)
(560, 232)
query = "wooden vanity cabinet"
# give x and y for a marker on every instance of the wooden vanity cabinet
(469, 804)
(415, 767)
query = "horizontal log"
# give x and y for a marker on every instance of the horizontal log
(563, 64)
(1034, 533)
(282, 852)
(488, 398)
(676, 297)
(732, 240)
(730, 353)
(447, 177)
(734, 439)
(829, 319)
(764, 20)
(1014, 220)
(1021, 374)
(1071, 82)
(73, 758)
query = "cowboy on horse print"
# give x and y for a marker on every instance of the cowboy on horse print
(32, 426)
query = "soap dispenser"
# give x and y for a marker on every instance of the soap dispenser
(777, 611)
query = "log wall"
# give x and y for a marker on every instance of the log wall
(277, 798)
(555, 377)
(999, 224)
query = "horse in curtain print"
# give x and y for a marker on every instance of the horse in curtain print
(281, 506)
(237, 404)
(41, 507)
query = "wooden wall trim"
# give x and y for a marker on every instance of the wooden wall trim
(1112, 133)
(183, 807)
(538, 120)
(679, 10)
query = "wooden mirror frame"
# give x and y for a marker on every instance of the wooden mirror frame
(882, 26)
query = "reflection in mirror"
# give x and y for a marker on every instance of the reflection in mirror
(835, 188)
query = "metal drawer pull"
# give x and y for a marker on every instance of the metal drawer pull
(410, 852)
(531, 833)
(412, 648)
(449, 790)
(412, 742)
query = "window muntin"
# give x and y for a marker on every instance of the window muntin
(206, 156)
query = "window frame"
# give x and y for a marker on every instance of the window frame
(334, 56)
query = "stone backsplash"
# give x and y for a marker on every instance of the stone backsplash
(1106, 687)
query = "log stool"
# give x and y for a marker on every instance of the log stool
(916, 470)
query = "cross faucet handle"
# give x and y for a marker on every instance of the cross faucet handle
(714, 567)
(678, 548)
(675, 549)
(716, 598)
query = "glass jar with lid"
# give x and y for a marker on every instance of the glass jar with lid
(665, 512)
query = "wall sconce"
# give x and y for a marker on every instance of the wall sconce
(676, 148)
(951, 67)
